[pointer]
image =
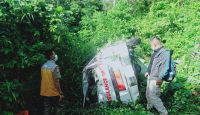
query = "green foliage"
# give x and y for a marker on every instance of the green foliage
(115, 25)
(32, 28)
(113, 108)
(10, 95)
(27, 30)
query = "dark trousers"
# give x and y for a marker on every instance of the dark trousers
(50, 101)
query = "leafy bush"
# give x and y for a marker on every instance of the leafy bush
(27, 30)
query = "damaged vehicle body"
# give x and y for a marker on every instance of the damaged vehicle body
(111, 75)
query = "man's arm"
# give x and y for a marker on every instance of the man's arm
(57, 84)
(149, 66)
(56, 76)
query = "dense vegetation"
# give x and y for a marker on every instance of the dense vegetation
(76, 30)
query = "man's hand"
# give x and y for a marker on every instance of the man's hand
(146, 74)
(158, 82)
(61, 97)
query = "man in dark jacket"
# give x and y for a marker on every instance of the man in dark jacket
(157, 69)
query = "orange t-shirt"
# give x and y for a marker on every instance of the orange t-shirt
(47, 83)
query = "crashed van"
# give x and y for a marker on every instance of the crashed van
(111, 75)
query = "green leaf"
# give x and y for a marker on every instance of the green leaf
(14, 96)
(11, 64)
(177, 85)
(8, 86)
(10, 99)
(59, 8)
(37, 33)
(68, 11)
(6, 51)
(87, 99)
(5, 97)
(40, 43)
(23, 17)
(15, 80)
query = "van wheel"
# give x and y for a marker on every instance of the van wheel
(133, 41)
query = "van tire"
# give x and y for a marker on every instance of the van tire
(133, 41)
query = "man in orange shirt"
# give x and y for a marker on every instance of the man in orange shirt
(50, 86)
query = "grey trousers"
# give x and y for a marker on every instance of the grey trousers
(48, 103)
(153, 97)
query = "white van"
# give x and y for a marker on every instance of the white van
(111, 75)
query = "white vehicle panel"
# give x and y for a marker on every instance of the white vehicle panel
(106, 90)
(117, 58)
